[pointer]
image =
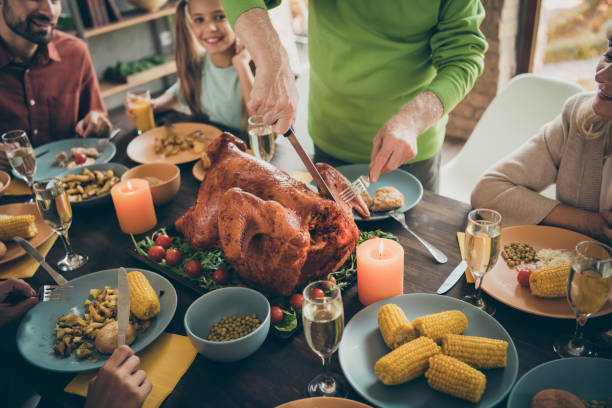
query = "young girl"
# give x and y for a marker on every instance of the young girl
(214, 76)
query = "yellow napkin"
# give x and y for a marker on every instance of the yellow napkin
(165, 361)
(25, 266)
(461, 240)
(17, 187)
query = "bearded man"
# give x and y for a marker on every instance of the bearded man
(48, 85)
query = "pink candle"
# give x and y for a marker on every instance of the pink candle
(380, 270)
(134, 206)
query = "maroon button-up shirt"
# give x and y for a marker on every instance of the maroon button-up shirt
(50, 95)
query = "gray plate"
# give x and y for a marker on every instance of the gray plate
(44, 164)
(35, 336)
(405, 182)
(117, 168)
(362, 346)
(587, 377)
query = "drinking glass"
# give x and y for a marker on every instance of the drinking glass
(139, 102)
(323, 319)
(54, 206)
(588, 288)
(20, 154)
(261, 138)
(482, 244)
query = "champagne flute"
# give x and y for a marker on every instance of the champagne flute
(588, 288)
(261, 138)
(323, 319)
(54, 206)
(482, 244)
(20, 154)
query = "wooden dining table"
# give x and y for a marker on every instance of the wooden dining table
(280, 370)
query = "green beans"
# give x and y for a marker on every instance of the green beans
(233, 327)
(517, 253)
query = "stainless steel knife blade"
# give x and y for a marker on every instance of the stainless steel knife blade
(312, 169)
(33, 252)
(123, 305)
(453, 278)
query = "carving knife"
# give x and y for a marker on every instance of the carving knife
(123, 305)
(290, 134)
(453, 278)
(33, 252)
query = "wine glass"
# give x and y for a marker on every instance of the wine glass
(54, 206)
(323, 318)
(482, 244)
(20, 154)
(588, 288)
(261, 138)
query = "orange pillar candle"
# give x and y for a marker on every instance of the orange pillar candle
(380, 270)
(134, 206)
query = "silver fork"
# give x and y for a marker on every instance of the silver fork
(435, 252)
(47, 293)
(354, 189)
(103, 142)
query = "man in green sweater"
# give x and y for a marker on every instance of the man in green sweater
(383, 76)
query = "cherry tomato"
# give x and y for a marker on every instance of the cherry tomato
(317, 293)
(241, 285)
(295, 301)
(220, 276)
(194, 269)
(163, 240)
(80, 158)
(157, 253)
(173, 257)
(523, 277)
(276, 314)
(332, 279)
(372, 237)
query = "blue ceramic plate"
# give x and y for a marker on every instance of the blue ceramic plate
(44, 164)
(587, 377)
(35, 336)
(117, 168)
(362, 345)
(405, 182)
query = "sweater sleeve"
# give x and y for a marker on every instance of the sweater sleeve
(458, 47)
(234, 8)
(512, 186)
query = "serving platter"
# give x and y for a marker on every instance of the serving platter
(117, 168)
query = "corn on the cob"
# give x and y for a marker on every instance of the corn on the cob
(454, 377)
(394, 326)
(18, 226)
(144, 303)
(436, 325)
(406, 362)
(479, 352)
(550, 281)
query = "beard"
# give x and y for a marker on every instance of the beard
(26, 28)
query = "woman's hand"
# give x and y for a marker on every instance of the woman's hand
(9, 311)
(94, 124)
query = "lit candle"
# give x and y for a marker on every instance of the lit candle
(380, 270)
(134, 206)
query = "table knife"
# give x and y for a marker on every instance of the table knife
(123, 305)
(33, 252)
(453, 278)
(290, 134)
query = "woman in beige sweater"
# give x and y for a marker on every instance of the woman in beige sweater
(575, 152)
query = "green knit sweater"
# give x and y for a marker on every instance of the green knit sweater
(368, 59)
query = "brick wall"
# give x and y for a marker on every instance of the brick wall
(500, 27)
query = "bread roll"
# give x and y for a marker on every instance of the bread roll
(552, 398)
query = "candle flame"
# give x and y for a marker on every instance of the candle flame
(380, 248)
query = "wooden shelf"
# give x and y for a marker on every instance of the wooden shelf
(130, 19)
(143, 77)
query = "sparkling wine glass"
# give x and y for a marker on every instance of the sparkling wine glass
(54, 206)
(588, 288)
(323, 318)
(20, 154)
(261, 138)
(482, 244)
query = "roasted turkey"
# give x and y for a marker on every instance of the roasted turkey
(276, 232)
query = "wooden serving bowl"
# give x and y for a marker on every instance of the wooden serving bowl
(167, 173)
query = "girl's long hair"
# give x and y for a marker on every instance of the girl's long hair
(189, 62)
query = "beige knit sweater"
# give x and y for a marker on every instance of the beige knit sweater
(559, 154)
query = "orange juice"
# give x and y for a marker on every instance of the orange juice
(143, 114)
